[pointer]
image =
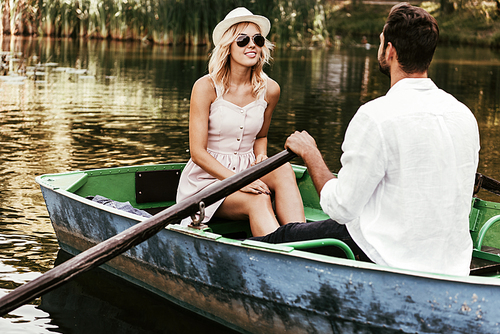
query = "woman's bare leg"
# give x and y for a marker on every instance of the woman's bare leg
(289, 206)
(256, 208)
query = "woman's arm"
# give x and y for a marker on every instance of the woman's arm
(272, 98)
(202, 96)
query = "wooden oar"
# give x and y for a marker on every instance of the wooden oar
(486, 183)
(120, 243)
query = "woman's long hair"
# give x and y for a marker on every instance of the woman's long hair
(219, 64)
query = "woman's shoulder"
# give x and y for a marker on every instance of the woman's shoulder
(205, 85)
(205, 82)
(273, 89)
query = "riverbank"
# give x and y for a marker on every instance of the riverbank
(308, 23)
(474, 26)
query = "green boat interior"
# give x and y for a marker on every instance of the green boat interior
(153, 188)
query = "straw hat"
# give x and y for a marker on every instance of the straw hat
(237, 15)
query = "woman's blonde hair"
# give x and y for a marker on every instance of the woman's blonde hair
(219, 64)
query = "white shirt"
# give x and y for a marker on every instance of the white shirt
(406, 183)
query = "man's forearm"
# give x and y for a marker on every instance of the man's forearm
(317, 168)
(304, 145)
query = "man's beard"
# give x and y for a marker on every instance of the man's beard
(383, 66)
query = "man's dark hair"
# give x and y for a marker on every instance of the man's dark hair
(414, 34)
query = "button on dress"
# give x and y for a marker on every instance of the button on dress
(232, 131)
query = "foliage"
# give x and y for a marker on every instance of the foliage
(191, 22)
(469, 24)
(354, 21)
(295, 23)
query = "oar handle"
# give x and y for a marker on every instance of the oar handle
(487, 183)
(136, 234)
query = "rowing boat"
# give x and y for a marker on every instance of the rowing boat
(255, 287)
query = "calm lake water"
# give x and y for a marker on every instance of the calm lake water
(92, 104)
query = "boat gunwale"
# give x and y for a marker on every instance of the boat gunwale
(295, 253)
(340, 261)
(471, 279)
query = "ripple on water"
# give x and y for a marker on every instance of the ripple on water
(27, 319)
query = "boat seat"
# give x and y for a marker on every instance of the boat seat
(483, 266)
(485, 258)
(319, 243)
(161, 186)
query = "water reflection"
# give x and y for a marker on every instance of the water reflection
(105, 103)
(120, 307)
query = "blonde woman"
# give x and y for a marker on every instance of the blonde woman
(230, 115)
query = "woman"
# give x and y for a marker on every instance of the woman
(229, 118)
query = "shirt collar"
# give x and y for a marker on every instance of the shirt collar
(412, 83)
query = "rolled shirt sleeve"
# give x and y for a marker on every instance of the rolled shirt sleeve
(363, 168)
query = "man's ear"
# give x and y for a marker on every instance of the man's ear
(390, 52)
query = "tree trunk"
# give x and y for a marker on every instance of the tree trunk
(1, 19)
(447, 6)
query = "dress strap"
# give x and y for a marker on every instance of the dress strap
(217, 89)
(218, 92)
(263, 94)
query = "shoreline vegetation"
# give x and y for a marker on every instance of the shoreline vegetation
(304, 23)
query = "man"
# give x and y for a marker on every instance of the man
(408, 164)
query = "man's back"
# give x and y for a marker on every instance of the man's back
(407, 179)
(409, 161)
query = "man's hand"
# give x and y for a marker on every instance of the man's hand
(301, 143)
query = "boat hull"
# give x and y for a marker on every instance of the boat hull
(260, 288)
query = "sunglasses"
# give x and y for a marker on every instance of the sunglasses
(243, 40)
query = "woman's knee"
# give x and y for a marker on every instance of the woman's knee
(256, 206)
(261, 201)
(248, 203)
(286, 170)
(282, 176)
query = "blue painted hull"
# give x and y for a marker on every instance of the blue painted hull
(255, 289)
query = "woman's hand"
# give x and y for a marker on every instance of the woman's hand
(256, 187)
(259, 158)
